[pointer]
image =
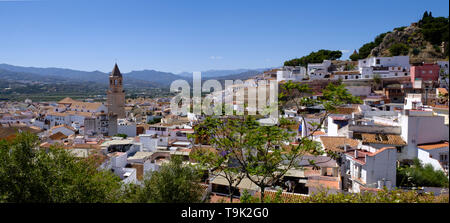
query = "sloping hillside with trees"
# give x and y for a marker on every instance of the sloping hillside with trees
(425, 40)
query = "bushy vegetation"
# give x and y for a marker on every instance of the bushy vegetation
(154, 121)
(419, 175)
(399, 49)
(32, 175)
(29, 174)
(382, 196)
(365, 50)
(121, 135)
(434, 29)
(174, 182)
(314, 57)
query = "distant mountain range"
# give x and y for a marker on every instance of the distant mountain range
(222, 73)
(143, 78)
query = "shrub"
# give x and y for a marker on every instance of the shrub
(419, 175)
(398, 49)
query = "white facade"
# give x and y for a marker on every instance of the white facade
(291, 74)
(319, 70)
(148, 142)
(396, 61)
(128, 129)
(422, 129)
(437, 157)
(371, 170)
(384, 67)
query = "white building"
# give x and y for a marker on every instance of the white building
(149, 143)
(371, 169)
(384, 67)
(127, 128)
(421, 126)
(435, 154)
(318, 70)
(289, 73)
(117, 163)
(396, 61)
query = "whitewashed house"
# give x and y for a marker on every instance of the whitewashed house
(421, 126)
(370, 169)
(385, 67)
(319, 70)
(288, 73)
(435, 154)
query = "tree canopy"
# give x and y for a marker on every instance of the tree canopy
(28, 174)
(314, 57)
(174, 182)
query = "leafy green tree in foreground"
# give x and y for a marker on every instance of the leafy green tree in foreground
(28, 174)
(172, 183)
(262, 153)
(219, 162)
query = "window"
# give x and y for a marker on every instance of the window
(359, 172)
(430, 72)
(396, 74)
(423, 72)
(406, 74)
(378, 61)
(443, 157)
(399, 149)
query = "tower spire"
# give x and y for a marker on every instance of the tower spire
(116, 71)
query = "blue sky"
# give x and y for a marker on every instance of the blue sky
(193, 35)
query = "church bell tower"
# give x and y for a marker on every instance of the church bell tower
(116, 94)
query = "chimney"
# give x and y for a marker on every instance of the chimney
(356, 154)
(345, 147)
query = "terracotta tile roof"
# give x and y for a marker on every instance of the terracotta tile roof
(66, 100)
(361, 154)
(345, 110)
(316, 133)
(442, 91)
(74, 104)
(215, 198)
(336, 143)
(379, 151)
(433, 146)
(65, 126)
(285, 196)
(440, 107)
(351, 72)
(86, 146)
(58, 136)
(323, 182)
(389, 139)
